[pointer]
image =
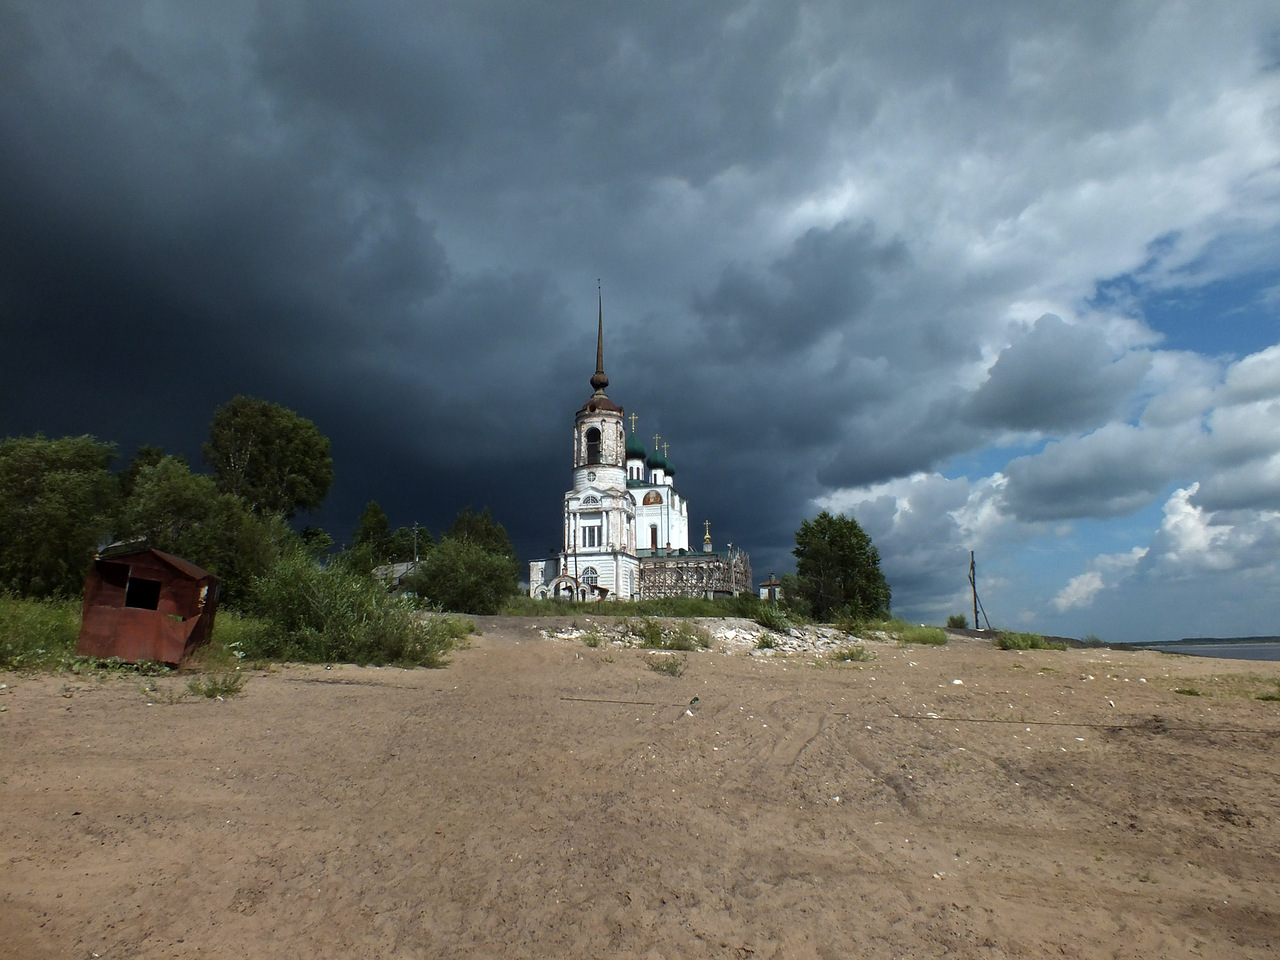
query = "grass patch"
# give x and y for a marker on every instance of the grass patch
(1011, 640)
(671, 666)
(893, 629)
(38, 634)
(1272, 696)
(592, 639)
(928, 636)
(1188, 691)
(218, 686)
(766, 641)
(651, 635)
(745, 607)
(854, 653)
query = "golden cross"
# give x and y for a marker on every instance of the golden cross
(633, 423)
(656, 438)
(665, 447)
(707, 524)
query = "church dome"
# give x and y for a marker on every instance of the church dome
(656, 461)
(635, 447)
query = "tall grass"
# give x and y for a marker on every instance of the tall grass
(38, 634)
(1012, 640)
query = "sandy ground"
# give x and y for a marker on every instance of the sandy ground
(538, 798)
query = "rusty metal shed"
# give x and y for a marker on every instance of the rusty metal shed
(144, 604)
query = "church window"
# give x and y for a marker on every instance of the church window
(590, 576)
(593, 445)
(653, 537)
(590, 501)
(591, 536)
(652, 497)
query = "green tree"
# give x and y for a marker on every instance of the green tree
(183, 513)
(462, 577)
(374, 530)
(147, 456)
(57, 502)
(269, 457)
(838, 569)
(482, 530)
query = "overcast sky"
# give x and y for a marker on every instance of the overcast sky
(1001, 277)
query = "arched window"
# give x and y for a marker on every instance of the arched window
(590, 576)
(593, 445)
(591, 501)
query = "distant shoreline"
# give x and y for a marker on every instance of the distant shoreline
(1231, 648)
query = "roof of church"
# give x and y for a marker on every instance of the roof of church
(657, 461)
(635, 447)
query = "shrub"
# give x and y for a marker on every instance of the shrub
(854, 653)
(766, 641)
(463, 576)
(773, 617)
(38, 634)
(958, 621)
(328, 614)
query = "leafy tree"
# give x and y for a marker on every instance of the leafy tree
(147, 456)
(57, 503)
(463, 577)
(316, 540)
(407, 545)
(374, 529)
(838, 569)
(482, 530)
(376, 544)
(183, 513)
(269, 457)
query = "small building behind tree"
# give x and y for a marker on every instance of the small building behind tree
(141, 604)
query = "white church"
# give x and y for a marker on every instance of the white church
(625, 527)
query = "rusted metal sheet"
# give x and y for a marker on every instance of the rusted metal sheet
(144, 604)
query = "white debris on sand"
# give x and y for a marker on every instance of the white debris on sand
(730, 635)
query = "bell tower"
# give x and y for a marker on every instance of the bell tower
(599, 440)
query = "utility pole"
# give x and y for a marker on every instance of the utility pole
(973, 583)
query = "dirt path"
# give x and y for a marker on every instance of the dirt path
(544, 799)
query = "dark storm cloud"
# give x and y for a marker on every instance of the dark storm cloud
(822, 285)
(1113, 471)
(1057, 377)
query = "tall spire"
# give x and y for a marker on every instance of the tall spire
(598, 380)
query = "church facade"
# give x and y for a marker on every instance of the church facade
(625, 526)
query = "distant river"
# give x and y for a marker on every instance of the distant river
(1267, 648)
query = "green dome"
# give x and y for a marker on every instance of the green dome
(656, 461)
(635, 447)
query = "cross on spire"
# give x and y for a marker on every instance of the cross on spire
(633, 422)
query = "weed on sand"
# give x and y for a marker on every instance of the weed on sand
(671, 666)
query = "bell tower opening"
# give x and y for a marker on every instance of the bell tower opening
(593, 445)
